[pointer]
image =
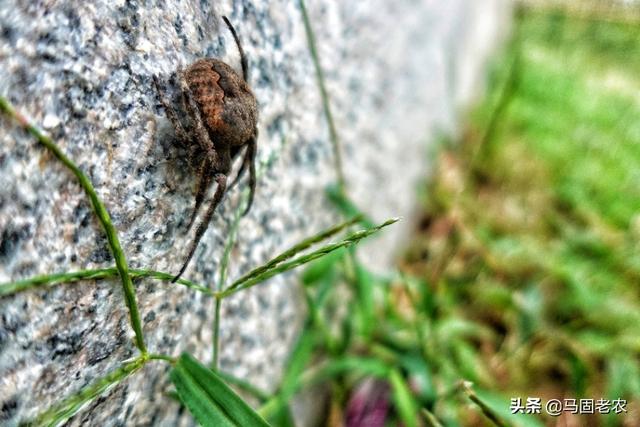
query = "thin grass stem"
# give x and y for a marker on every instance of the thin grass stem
(61, 412)
(48, 280)
(294, 250)
(262, 274)
(333, 133)
(100, 211)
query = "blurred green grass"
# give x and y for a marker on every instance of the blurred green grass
(533, 236)
(522, 277)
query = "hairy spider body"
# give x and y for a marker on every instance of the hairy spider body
(222, 114)
(229, 109)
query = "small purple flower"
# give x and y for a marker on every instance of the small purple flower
(368, 405)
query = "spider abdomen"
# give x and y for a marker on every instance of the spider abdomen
(227, 104)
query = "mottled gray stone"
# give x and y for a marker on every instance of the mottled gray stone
(398, 72)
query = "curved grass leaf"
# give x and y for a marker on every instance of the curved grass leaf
(261, 273)
(48, 280)
(322, 268)
(326, 105)
(60, 413)
(101, 212)
(208, 398)
(404, 401)
(293, 251)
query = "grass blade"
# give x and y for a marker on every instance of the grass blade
(71, 406)
(326, 106)
(208, 398)
(263, 273)
(100, 211)
(291, 381)
(296, 249)
(47, 280)
(486, 409)
(322, 269)
(404, 402)
(205, 410)
(244, 385)
(430, 419)
(346, 205)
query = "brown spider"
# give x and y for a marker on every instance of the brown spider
(222, 115)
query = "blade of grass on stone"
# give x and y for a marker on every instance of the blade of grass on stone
(60, 413)
(254, 279)
(222, 279)
(326, 105)
(101, 212)
(210, 400)
(297, 248)
(48, 280)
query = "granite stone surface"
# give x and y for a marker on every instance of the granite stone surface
(398, 73)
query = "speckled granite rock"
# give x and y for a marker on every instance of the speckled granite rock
(397, 72)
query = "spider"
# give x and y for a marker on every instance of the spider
(222, 116)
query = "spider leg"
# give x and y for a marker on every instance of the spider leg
(203, 184)
(251, 156)
(171, 114)
(202, 136)
(202, 227)
(241, 171)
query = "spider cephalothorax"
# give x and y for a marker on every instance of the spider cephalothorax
(222, 116)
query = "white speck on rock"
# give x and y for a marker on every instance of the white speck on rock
(144, 46)
(50, 121)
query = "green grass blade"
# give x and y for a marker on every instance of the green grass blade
(404, 402)
(300, 358)
(203, 408)
(100, 211)
(253, 279)
(365, 306)
(322, 269)
(346, 206)
(60, 413)
(292, 378)
(365, 366)
(326, 106)
(296, 249)
(244, 385)
(47, 280)
(209, 399)
(484, 407)
(430, 419)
